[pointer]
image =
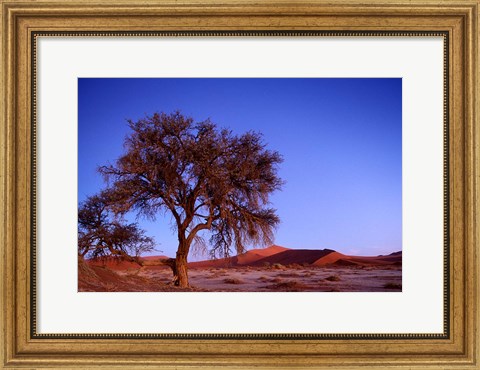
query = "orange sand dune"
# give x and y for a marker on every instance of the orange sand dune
(329, 259)
(347, 262)
(221, 262)
(257, 254)
(244, 259)
(153, 258)
(383, 260)
(298, 256)
(339, 259)
(262, 257)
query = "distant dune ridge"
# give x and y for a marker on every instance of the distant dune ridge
(286, 256)
(298, 256)
(257, 254)
(274, 254)
(249, 258)
(336, 258)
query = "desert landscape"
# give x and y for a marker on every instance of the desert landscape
(240, 187)
(272, 269)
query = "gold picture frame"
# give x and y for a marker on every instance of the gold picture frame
(23, 21)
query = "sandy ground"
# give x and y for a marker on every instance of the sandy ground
(308, 279)
(273, 269)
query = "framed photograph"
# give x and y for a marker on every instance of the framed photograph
(239, 184)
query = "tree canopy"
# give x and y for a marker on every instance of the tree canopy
(100, 234)
(207, 178)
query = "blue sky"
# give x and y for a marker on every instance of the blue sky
(341, 140)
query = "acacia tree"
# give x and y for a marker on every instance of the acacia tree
(207, 178)
(100, 234)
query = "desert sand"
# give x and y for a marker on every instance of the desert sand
(273, 269)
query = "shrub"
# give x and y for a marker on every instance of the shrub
(288, 286)
(333, 278)
(232, 281)
(392, 286)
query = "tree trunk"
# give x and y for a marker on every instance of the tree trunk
(180, 269)
(181, 278)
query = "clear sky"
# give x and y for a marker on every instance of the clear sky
(341, 140)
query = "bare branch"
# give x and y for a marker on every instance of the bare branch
(172, 163)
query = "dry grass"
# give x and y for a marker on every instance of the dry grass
(276, 280)
(232, 281)
(392, 286)
(288, 286)
(333, 278)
